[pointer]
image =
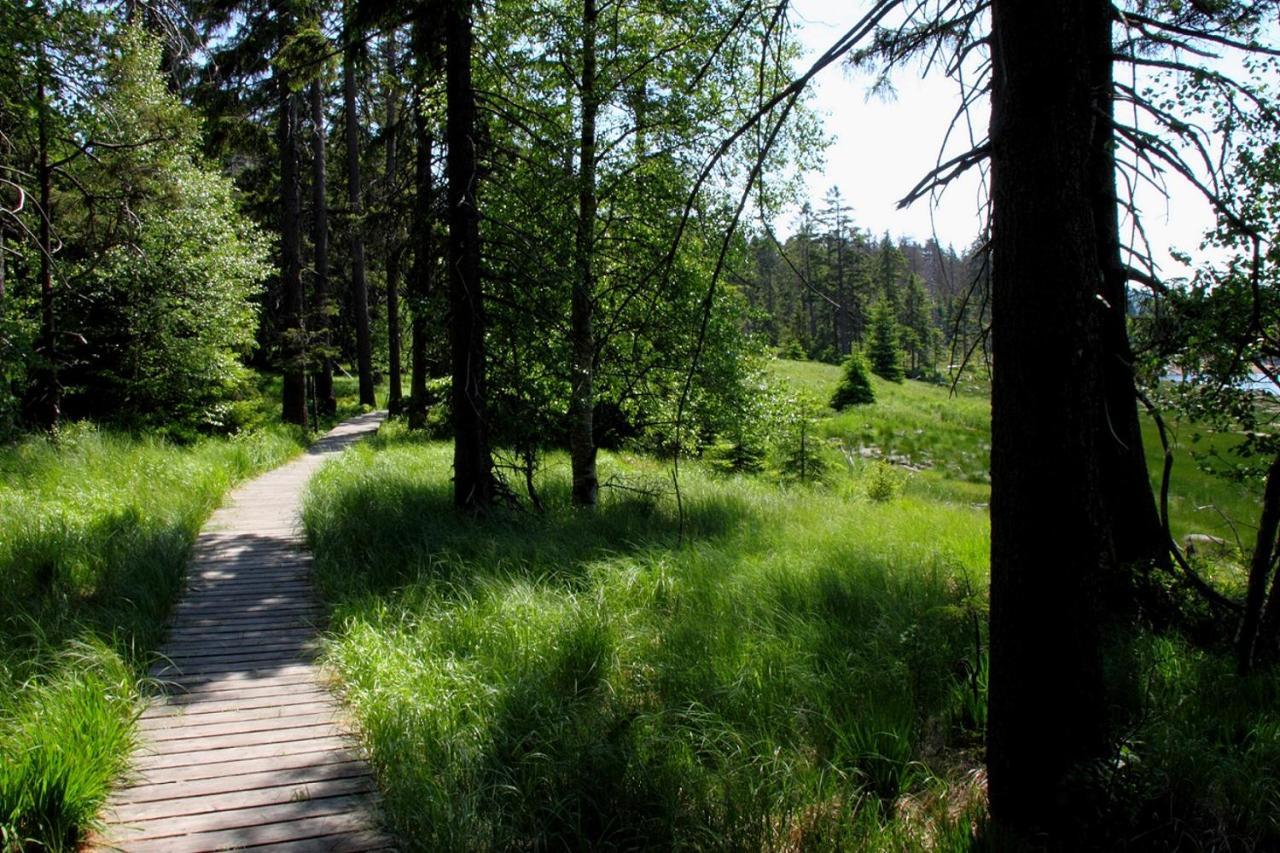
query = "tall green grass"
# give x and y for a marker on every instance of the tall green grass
(799, 673)
(95, 529)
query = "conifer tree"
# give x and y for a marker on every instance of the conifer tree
(883, 350)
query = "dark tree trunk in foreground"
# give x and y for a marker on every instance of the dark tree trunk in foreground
(325, 402)
(582, 444)
(394, 393)
(1050, 545)
(1138, 535)
(47, 402)
(1259, 571)
(420, 275)
(359, 286)
(473, 480)
(1269, 631)
(291, 328)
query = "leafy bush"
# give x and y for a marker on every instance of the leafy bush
(855, 385)
(162, 306)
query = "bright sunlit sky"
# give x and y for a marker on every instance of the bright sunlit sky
(883, 147)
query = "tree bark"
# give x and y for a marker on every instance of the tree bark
(394, 393)
(1130, 503)
(359, 285)
(473, 479)
(48, 387)
(421, 273)
(582, 446)
(1259, 570)
(1050, 545)
(1269, 631)
(293, 345)
(325, 401)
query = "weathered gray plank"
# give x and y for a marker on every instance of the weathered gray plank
(134, 813)
(251, 836)
(283, 698)
(272, 763)
(191, 789)
(245, 817)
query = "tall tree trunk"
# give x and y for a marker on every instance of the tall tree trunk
(582, 444)
(293, 344)
(1050, 545)
(359, 285)
(420, 275)
(1126, 485)
(843, 336)
(325, 401)
(1264, 549)
(473, 480)
(394, 393)
(1269, 631)
(47, 409)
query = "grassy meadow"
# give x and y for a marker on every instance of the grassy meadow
(804, 671)
(95, 529)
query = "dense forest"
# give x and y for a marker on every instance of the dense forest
(683, 532)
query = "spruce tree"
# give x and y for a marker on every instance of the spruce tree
(855, 385)
(883, 351)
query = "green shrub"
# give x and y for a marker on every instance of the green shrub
(883, 482)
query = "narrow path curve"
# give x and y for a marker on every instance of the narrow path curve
(246, 749)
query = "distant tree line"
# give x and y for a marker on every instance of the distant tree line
(831, 288)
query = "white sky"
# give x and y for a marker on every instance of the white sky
(882, 148)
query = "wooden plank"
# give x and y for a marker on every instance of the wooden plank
(264, 700)
(206, 760)
(347, 842)
(249, 816)
(274, 778)
(221, 645)
(254, 736)
(236, 593)
(267, 687)
(317, 757)
(242, 798)
(317, 828)
(191, 722)
(230, 608)
(254, 608)
(297, 622)
(239, 676)
(200, 714)
(245, 588)
(195, 635)
(235, 724)
(212, 659)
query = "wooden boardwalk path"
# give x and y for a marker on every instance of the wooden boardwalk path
(246, 749)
